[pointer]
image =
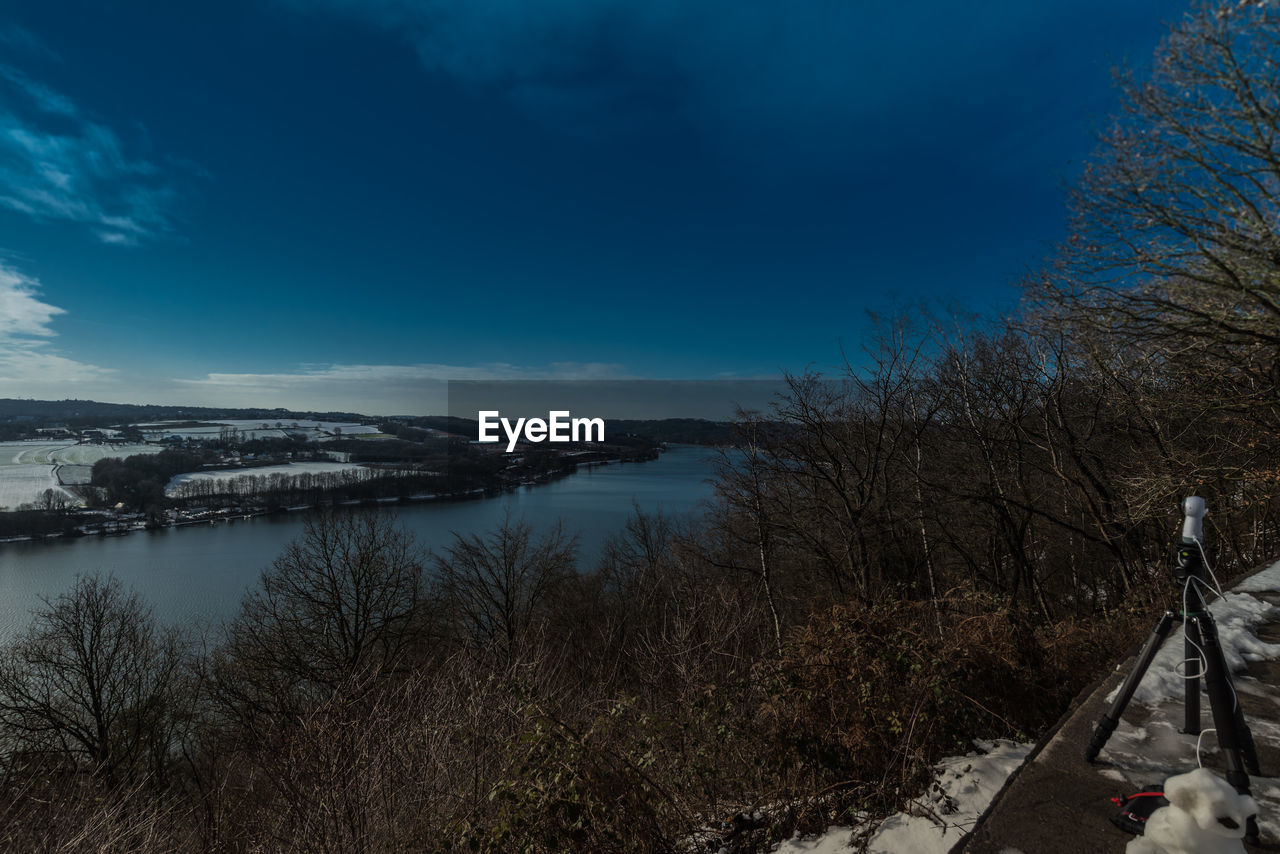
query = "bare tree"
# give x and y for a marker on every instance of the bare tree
(743, 480)
(341, 602)
(53, 501)
(496, 586)
(826, 473)
(1176, 229)
(1168, 285)
(95, 680)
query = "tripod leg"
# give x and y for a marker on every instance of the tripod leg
(1111, 719)
(1191, 700)
(1228, 718)
(1248, 750)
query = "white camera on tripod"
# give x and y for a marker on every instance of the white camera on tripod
(1193, 508)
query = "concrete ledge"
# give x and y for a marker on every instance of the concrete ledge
(1056, 803)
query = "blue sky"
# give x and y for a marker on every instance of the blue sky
(338, 203)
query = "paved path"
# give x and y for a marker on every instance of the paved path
(1058, 804)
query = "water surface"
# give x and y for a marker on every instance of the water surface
(197, 575)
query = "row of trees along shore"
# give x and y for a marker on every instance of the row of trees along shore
(944, 540)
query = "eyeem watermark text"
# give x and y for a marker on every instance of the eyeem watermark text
(558, 427)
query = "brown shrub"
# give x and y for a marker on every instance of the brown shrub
(876, 693)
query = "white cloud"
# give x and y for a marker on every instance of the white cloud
(32, 367)
(21, 311)
(32, 372)
(56, 163)
(29, 366)
(116, 238)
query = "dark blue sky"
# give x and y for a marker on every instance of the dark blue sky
(329, 204)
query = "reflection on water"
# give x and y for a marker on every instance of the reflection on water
(197, 575)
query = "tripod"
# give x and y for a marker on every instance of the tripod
(1202, 645)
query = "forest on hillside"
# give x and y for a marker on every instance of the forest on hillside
(946, 540)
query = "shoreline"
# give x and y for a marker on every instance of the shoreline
(119, 526)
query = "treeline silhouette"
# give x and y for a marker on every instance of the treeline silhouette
(279, 489)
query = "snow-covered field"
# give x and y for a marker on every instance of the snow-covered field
(27, 469)
(25, 484)
(72, 475)
(228, 476)
(50, 453)
(257, 429)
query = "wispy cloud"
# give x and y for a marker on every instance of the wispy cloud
(58, 163)
(375, 389)
(20, 39)
(325, 374)
(29, 365)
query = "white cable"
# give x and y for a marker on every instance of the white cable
(1204, 659)
(1216, 587)
(1204, 558)
(1235, 699)
(1202, 732)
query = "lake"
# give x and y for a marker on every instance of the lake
(197, 575)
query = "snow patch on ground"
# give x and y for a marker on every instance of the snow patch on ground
(28, 468)
(27, 484)
(1238, 614)
(1267, 581)
(230, 476)
(835, 841)
(71, 475)
(1142, 756)
(1137, 756)
(46, 453)
(935, 821)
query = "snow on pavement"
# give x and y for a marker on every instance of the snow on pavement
(1237, 614)
(1139, 756)
(935, 821)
